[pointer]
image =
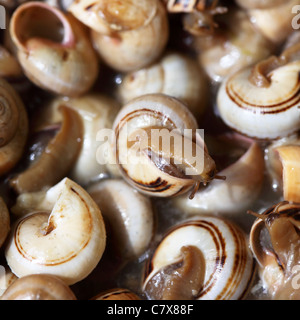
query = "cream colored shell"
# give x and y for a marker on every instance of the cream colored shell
(228, 264)
(129, 214)
(97, 112)
(265, 113)
(63, 234)
(176, 75)
(128, 35)
(235, 194)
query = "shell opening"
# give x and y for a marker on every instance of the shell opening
(37, 20)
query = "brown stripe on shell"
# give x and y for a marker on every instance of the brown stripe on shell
(239, 101)
(53, 262)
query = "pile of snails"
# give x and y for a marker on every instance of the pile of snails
(149, 150)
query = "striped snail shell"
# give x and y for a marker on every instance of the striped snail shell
(153, 168)
(263, 101)
(62, 233)
(204, 258)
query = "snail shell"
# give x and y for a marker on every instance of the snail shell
(129, 215)
(53, 49)
(13, 127)
(274, 22)
(258, 4)
(38, 287)
(274, 241)
(63, 235)
(175, 74)
(205, 258)
(153, 169)
(117, 294)
(56, 160)
(232, 47)
(262, 101)
(243, 184)
(97, 112)
(4, 221)
(128, 35)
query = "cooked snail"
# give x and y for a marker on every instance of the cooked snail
(56, 160)
(174, 74)
(282, 163)
(62, 233)
(13, 127)
(53, 49)
(274, 241)
(96, 112)
(201, 258)
(243, 184)
(262, 101)
(161, 169)
(38, 287)
(129, 215)
(272, 18)
(128, 35)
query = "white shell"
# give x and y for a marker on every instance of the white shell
(145, 111)
(129, 214)
(264, 113)
(229, 264)
(174, 74)
(97, 112)
(68, 242)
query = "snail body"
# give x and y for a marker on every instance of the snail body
(63, 234)
(55, 51)
(153, 169)
(200, 258)
(129, 215)
(128, 35)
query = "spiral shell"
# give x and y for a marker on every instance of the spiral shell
(117, 294)
(13, 127)
(234, 46)
(128, 35)
(38, 287)
(97, 113)
(267, 111)
(201, 258)
(176, 75)
(274, 22)
(63, 234)
(243, 184)
(156, 170)
(53, 49)
(56, 160)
